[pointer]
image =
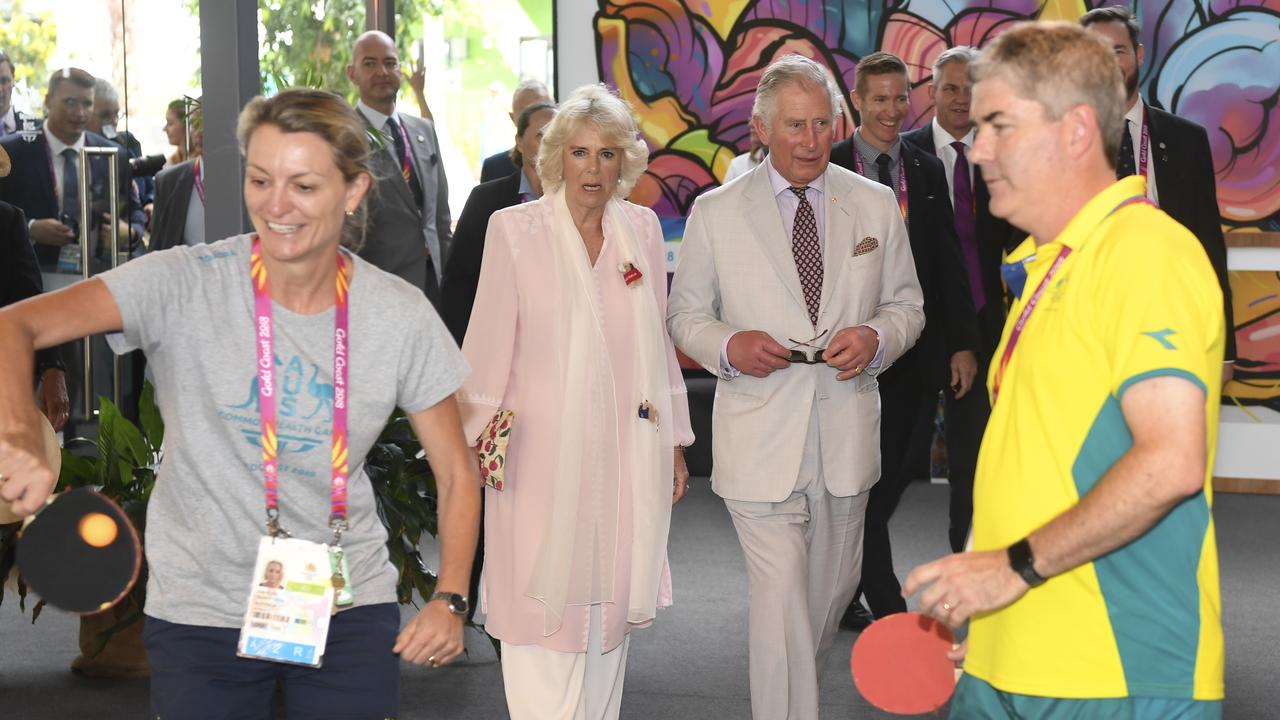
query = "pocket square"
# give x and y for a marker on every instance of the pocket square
(867, 245)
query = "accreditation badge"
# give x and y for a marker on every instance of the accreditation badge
(291, 600)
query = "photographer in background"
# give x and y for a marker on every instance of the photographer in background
(103, 119)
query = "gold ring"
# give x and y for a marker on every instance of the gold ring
(857, 369)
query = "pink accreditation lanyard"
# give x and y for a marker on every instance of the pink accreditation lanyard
(1034, 300)
(199, 181)
(265, 340)
(902, 180)
(1146, 142)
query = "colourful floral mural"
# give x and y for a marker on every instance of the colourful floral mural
(690, 67)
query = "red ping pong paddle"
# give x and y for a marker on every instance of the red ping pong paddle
(80, 553)
(900, 664)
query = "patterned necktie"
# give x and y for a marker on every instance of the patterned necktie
(808, 256)
(403, 158)
(967, 225)
(885, 178)
(1125, 165)
(71, 184)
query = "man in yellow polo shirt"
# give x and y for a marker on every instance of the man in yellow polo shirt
(1092, 584)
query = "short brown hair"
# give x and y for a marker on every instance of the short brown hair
(4, 58)
(878, 63)
(1115, 13)
(323, 113)
(75, 76)
(1059, 65)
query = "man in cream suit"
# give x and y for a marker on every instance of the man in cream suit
(796, 287)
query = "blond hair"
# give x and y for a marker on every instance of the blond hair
(611, 116)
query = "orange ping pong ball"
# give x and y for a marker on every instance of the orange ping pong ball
(98, 530)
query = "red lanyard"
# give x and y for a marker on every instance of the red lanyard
(199, 181)
(1034, 300)
(267, 395)
(902, 180)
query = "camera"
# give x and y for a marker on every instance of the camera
(146, 166)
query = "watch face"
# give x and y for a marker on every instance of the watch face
(458, 604)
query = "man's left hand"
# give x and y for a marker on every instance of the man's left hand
(53, 397)
(433, 637)
(851, 350)
(964, 366)
(961, 585)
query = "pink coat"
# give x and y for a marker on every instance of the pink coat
(515, 316)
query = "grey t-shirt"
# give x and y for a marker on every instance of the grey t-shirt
(190, 309)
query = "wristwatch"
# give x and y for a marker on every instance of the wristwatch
(1023, 562)
(458, 604)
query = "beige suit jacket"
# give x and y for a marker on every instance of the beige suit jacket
(737, 272)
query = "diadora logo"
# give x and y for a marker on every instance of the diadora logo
(1162, 337)
(304, 408)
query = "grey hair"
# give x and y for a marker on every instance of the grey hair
(611, 116)
(104, 90)
(959, 53)
(792, 69)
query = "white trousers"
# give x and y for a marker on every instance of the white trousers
(544, 684)
(804, 558)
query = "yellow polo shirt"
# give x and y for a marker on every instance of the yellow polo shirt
(1135, 299)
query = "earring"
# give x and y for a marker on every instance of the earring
(351, 213)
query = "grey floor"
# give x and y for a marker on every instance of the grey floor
(693, 663)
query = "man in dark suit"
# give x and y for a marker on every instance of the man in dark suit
(103, 120)
(19, 280)
(408, 229)
(528, 92)
(462, 276)
(10, 118)
(983, 240)
(945, 354)
(45, 179)
(1172, 153)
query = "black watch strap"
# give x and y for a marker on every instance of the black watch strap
(1023, 563)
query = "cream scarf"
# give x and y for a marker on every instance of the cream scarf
(592, 428)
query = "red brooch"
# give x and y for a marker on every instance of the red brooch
(630, 273)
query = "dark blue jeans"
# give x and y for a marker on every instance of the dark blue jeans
(196, 675)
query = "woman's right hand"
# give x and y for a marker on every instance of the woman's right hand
(25, 477)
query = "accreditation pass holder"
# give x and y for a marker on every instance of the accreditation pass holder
(297, 584)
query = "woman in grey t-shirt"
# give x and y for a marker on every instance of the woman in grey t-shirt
(193, 311)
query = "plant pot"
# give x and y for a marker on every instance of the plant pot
(123, 655)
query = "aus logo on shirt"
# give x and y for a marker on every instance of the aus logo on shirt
(304, 408)
(1164, 337)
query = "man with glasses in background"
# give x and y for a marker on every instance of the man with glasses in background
(806, 253)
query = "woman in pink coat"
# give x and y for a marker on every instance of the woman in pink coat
(568, 332)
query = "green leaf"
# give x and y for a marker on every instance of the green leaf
(149, 415)
(125, 434)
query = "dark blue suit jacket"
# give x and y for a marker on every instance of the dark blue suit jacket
(30, 185)
(951, 325)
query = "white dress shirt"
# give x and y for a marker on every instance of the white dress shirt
(9, 122)
(56, 147)
(1133, 123)
(942, 143)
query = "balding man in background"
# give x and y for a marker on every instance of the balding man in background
(528, 92)
(408, 226)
